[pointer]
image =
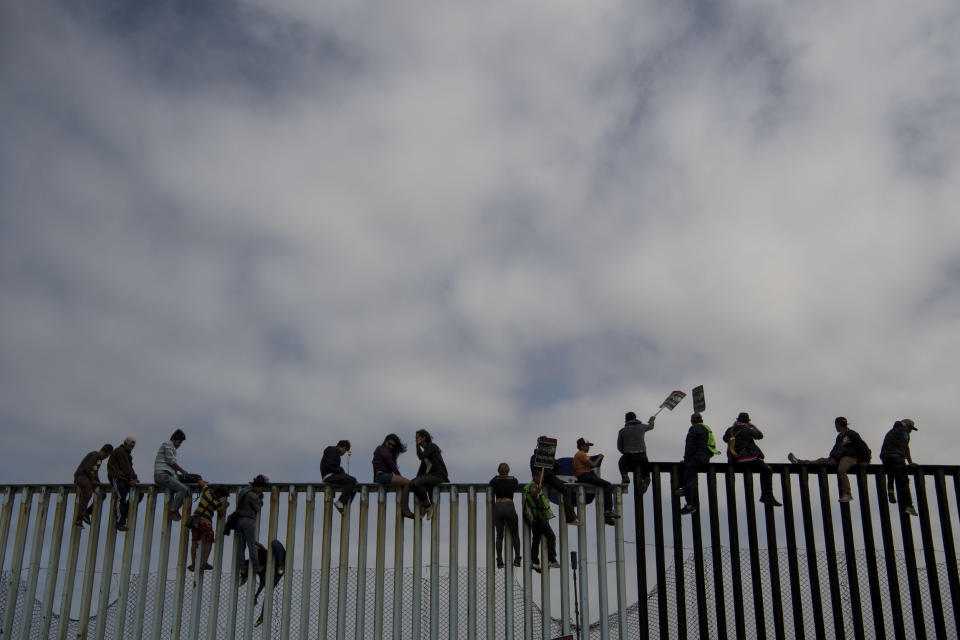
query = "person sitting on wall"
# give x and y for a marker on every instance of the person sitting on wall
(848, 450)
(87, 477)
(213, 500)
(333, 473)
(583, 468)
(432, 471)
(386, 472)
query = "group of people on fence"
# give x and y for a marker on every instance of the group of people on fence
(700, 446)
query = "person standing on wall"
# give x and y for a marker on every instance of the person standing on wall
(87, 478)
(895, 456)
(165, 470)
(505, 512)
(121, 475)
(249, 503)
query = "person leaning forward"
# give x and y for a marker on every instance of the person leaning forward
(333, 473)
(249, 503)
(631, 442)
(213, 500)
(848, 450)
(87, 477)
(895, 456)
(121, 475)
(165, 470)
(551, 480)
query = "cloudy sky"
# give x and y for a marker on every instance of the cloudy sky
(277, 224)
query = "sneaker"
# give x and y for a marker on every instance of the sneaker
(624, 480)
(610, 521)
(516, 562)
(792, 458)
(535, 565)
(554, 564)
(499, 564)
(338, 506)
(175, 516)
(892, 497)
(770, 500)
(845, 497)
(189, 567)
(78, 523)
(243, 579)
(680, 491)
(611, 514)
(644, 485)
(574, 523)
(688, 509)
(909, 510)
(206, 567)
(428, 512)
(121, 527)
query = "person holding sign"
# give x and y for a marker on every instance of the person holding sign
(632, 444)
(742, 449)
(583, 467)
(700, 447)
(537, 513)
(546, 476)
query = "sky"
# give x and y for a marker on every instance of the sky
(279, 224)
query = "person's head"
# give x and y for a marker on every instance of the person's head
(503, 468)
(106, 450)
(129, 442)
(260, 483)
(696, 419)
(393, 442)
(220, 491)
(629, 416)
(583, 444)
(534, 490)
(423, 437)
(840, 423)
(177, 438)
(743, 417)
(907, 424)
(343, 446)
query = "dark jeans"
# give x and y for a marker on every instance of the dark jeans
(247, 541)
(505, 515)
(85, 486)
(690, 470)
(349, 484)
(896, 469)
(551, 480)
(121, 488)
(633, 461)
(422, 486)
(766, 475)
(592, 478)
(541, 527)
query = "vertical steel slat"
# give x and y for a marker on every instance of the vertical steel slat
(831, 549)
(545, 630)
(53, 563)
(36, 552)
(736, 570)
(699, 568)
(398, 560)
(379, 571)
(435, 571)
(144, 575)
(949, 549)
(5, 516)
(196, 598)
(323, 599)
(563, 548)
(90, 565)
(658, 550)
(681, 600)
(621, 571)
(165, 526)
(184, 545)
(773, 557)
(601, 544)
(583, 568)
(291, 544)
(107, 574)
(753, 542)
(362, 525)
(890, 561)
(250, 604)
(873, 578)
(853, 575)
(417, 598)
(639, 525)
(929, 554)
(66, 599)
(508, 582)
(790, 528)
(272, 528)
(913, 578)
(453, 622)
(232, 606)
(813, 570)
(126, 562)
(306, 580)
(343, 571)
(489, 571)
(716, 555)
(16, 566)
(471, 564)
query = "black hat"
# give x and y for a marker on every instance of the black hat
(260, 481)
(581, 442)
(743, 417)
(696, 419)
(630, 415)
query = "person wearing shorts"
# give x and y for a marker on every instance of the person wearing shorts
(213, 499)
(386, 472)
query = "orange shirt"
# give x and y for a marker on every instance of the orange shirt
(581, 463)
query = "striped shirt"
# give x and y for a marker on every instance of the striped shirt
(209, 504)
(166, 458)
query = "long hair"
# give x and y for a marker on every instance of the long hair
(400, 448)
(423, 433)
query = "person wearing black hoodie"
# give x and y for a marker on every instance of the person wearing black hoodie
(700, 446)
(895, 455)
(333, 473)
(432, 471)
(742, 450)
(631, 442)
(848, 450)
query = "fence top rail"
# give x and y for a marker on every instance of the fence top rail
(664, 467)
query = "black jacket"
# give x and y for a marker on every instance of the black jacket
(741, 441)
(431, 462)
(850, 444)
(330, 462)
(697, 445)
(896, 443)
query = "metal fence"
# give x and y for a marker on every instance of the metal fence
(730, 570)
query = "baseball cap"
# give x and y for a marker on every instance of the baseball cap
(581, 442)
